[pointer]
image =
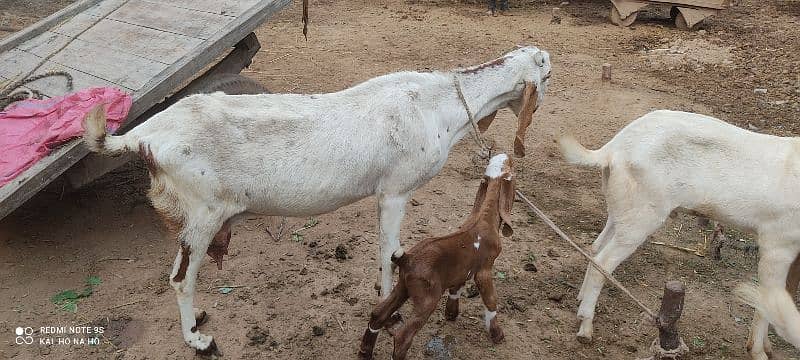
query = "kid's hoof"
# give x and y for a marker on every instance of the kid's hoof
(497, 335)
(212, 351)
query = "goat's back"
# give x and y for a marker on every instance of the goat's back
(701, 163)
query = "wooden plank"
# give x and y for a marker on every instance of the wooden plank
(117, 67)
(104, 7)
(221, 7)
(44, 24)
(43, 172)
(14, 60)
(162, 16)
(158, 45)
(160, 87)
(708, 4)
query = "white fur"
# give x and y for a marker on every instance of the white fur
(487, 317)
(495, 167)
(220, 156)
(669, 160)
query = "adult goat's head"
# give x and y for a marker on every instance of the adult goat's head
(532, 81)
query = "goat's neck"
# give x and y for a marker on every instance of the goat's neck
(485, 91)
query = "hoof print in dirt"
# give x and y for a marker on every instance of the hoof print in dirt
(340, 253)
(317, 330)
(530, 267)
(211, 352)
(257, 336)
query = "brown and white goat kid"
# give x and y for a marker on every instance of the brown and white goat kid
(446, 263)
(667, 161)
(215, 157)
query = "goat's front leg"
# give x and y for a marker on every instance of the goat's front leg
(392, 209)
(194, 243)
(483, 280)
(758, 343)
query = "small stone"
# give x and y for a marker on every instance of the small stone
(701, 32)
(552, 253)
(760, 91)
(414, 202)
(530, 267)
(317, 331)
(557, 297)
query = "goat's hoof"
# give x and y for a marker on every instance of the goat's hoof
(497, 335)
(212, 351)
(584, 339)
(200, 318)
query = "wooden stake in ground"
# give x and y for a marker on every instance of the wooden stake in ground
(606, 72)
(669, 344)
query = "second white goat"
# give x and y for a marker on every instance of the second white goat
(669, 161)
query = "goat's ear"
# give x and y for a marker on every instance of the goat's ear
(480, 196)
(530, 98)
(484, 123)
(506, 202)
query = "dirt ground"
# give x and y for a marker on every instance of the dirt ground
(324, 278)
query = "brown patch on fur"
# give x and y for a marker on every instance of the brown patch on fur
(147, 155)
(219, 245)
(491, 64)
(185, 252)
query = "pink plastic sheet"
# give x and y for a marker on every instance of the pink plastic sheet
(30, 129)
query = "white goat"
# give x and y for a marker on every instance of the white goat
(669, 161)
(213, 157)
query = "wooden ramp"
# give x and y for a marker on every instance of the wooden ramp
(150, 48)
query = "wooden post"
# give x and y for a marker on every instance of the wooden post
(668, 315)
(606, 72)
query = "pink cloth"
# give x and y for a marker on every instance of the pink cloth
(30, 129)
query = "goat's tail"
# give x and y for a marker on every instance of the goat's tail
(399, 256)
(777, 306)
(576, 154)
(97, 138)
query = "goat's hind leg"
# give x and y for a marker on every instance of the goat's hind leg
(758, 344)
(381, 317)
(451, 306)
(619, 247)
(424, 305)
(195, 240)
(597, 245)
